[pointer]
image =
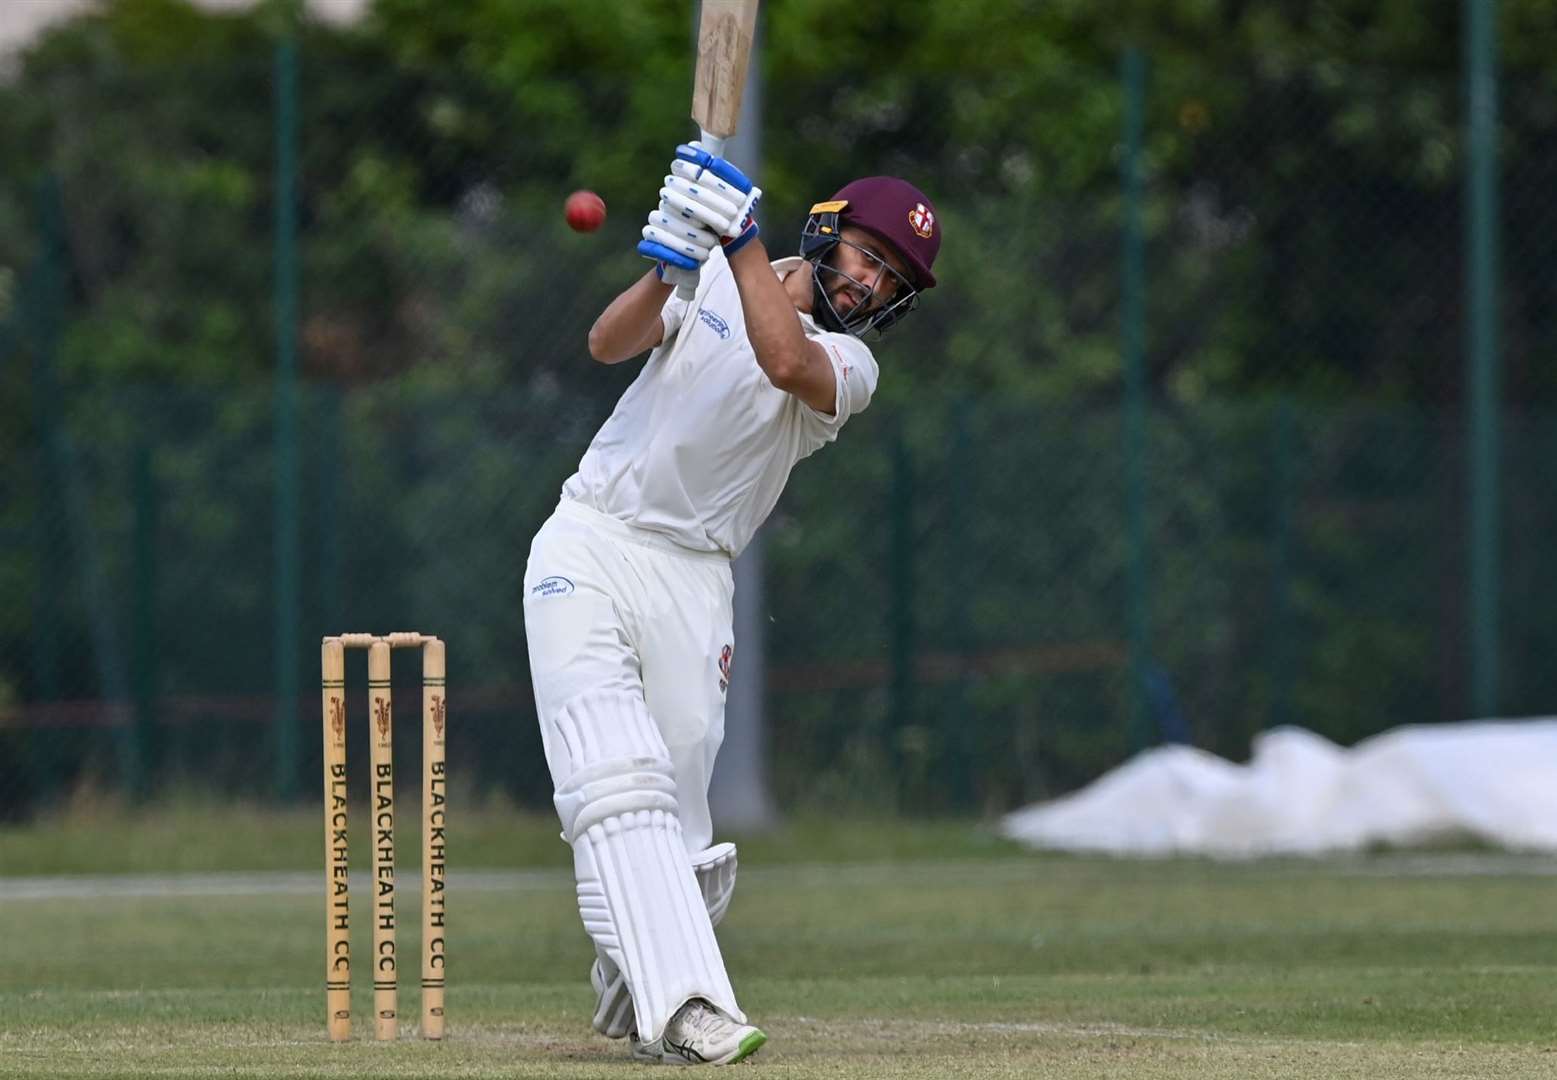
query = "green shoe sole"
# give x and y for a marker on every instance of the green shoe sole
(748, 1047)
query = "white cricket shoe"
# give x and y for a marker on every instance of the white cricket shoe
(699, 1034)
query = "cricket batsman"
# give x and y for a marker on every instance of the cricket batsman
(628, 588)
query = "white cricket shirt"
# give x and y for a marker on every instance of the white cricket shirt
(701, 444)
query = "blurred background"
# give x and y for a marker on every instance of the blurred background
(1236, 406)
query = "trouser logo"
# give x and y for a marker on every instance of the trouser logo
(724, 667)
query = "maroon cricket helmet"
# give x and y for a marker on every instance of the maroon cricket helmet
(894, 211)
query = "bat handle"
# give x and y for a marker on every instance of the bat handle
(714, 144)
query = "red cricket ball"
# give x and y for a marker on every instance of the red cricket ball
(585, 211)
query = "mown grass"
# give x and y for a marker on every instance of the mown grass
(197, 834)
(955, 957)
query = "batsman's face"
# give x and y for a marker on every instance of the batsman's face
(869, 272)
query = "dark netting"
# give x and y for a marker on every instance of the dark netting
(950, 589)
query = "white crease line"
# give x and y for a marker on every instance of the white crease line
(277, 883)
(973, 871)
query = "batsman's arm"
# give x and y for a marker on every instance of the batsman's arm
(631, 323)
(792, 362)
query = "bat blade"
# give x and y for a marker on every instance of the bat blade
(724, 38)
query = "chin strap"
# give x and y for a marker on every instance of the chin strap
(822, 312)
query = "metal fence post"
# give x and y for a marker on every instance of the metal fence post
(1133, 345)
(959, 737)
(1280, 655)
(1481, 346)
(286, 525)
(901, 631)
(43, 297)
(38, 307)
(328, 463)
(145, 655)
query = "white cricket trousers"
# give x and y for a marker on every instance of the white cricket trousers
(611, 607)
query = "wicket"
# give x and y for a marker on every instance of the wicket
(382, 805)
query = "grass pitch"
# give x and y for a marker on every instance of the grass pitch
(956, 956)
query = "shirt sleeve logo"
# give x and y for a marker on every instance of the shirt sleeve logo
(552, 586)
(714, 322)
(843, 362)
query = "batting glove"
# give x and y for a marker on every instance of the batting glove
(671, 274)
(710, 192)
(675, 242)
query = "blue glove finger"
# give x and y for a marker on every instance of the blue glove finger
(695, 154)
(716, 165)
(659, 252)
(731, 175)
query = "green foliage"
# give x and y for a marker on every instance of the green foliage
(1284, 139)
(1304, 226)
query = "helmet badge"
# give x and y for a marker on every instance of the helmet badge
(922, 220)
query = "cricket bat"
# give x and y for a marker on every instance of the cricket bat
(725, 31)
(724, 36)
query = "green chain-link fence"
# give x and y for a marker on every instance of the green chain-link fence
(951, 588)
